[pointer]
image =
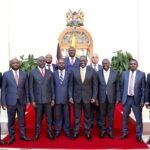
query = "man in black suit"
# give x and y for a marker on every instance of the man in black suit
(108, 96)
(14, 98)
(52, 67)
(95, 107)
(82, 93)
(1, 141)
(42, 96)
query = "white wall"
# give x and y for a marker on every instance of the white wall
(33, 26)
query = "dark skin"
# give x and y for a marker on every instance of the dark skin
(106, 64)
(83, 63)
(61, 64)
(41, 64)
(15, 65)
(133, 65)
(72, 51)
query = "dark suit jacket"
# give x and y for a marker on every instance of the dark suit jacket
(69, 66)
(55, 67)
(61, 90)
(41, 89)
(112, 88)
(99, 67)
(0, 79)
(139, 87)
(10, 90)
(83, 91)
(148, 89)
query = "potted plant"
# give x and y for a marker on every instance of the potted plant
(120, 61)
(28, 64)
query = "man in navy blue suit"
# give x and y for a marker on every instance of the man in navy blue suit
(71, 61)
(61, 86)
(14, 98)
(83, 92)
(52, 67)
(42, 96)
(147, 102)
(133, 84)
(1, 141)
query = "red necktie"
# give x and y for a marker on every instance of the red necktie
(42, 72)
(72, 62)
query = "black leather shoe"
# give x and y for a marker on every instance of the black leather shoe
(2, 142)
(25, 138)
(51, 137)
(139, 138)
(148, 142)
(11, 140)
(110, 135)
(68, 135)
(102, 135)
(89, 138)
(36, 138)
(75, 136)
(123, 136)
(57, 135)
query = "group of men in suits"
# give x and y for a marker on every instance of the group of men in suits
(74, 82)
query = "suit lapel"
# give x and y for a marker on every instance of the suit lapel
(20, 76)
(110, 77)
(12, 77)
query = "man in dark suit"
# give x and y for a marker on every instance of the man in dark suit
(42, 96)
(82, 93)
(61, 86)
(133, 96)
(52, 67)
(14, 98)
(108, 96)
(1, 141)
(147, 100)
(95, 111)
(71, 61)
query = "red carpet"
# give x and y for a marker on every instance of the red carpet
(81, 142)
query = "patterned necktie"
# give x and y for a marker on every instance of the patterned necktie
(42, 72)
(131, 85)
(16, 77)
(82, 75)
(61, 77)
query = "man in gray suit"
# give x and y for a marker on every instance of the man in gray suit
(82, 93)
(108, 96)
(95, 107)
(42, 95)
(14, 98)
(133, 84)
